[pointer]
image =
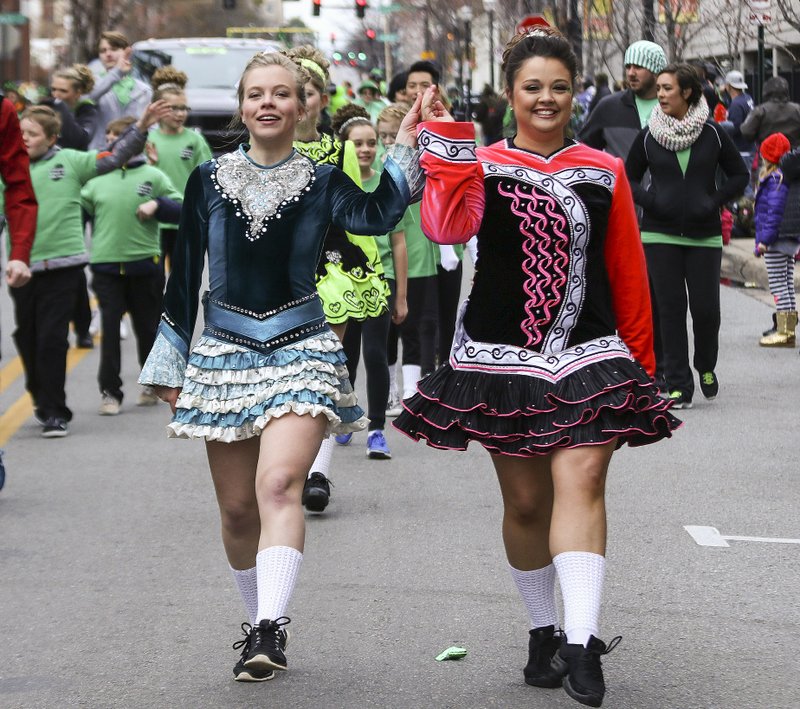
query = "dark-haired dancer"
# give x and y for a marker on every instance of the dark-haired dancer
(552, 360)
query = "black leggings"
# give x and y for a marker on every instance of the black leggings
(372, 334)
(448, 286)
(418, 330)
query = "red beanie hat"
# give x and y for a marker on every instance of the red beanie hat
(774, 147)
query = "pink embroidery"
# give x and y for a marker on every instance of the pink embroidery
(545, 229)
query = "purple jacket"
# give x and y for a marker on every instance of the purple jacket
(769, 206)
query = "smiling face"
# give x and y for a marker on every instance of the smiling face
(541, 98)
(365, 140)
(36, 140)
(671, 98)
(416, 83)
(270, 107)
(641, 81)
(109, 55)
(64, 90)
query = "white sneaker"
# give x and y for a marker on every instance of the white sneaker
(123, 329)
(94, 325)
(147, 397)
(394, 407)
(109, 406)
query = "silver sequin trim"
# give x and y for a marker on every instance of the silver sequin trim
(259, 193)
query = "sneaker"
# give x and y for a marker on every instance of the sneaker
(542, 647)
(582, 670)
(268, 642)
(246, 674)
(147, 397)
(394, 407)
(343, 439)
(54, 428)
(123, 329)
(85, 342)
(680, 400)
(316, 492)
(709, 385)
(377, 449)
(39, 417)
(109, 406)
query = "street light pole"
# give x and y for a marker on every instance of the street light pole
(465, 15)
(489, 7)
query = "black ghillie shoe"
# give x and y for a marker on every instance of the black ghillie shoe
(542, 647)
(245, 674)
(267, 645)
(582, 670)
(316, 492)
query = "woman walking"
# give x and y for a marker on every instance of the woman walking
(552, 360)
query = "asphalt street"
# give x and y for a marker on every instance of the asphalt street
(114, 590)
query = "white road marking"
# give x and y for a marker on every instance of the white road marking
(710, 537)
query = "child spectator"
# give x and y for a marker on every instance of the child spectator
(44, 306)
(125, 259)
(778, 251)
(172, 148)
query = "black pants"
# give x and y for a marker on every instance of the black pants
(82, 312)
(43, 308)
(674, 272)
(371, 334)
(141, 296)
(418, 330)
(448, 286)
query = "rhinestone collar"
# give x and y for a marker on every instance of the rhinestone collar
(259, 192)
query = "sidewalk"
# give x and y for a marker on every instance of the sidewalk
(741, 265)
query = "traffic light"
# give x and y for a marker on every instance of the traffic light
(361, 6)
(317, 7)
(370, 33)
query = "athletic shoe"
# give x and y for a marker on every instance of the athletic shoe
(542, 647)
(343, 439)
(123, 329)
(709, 385)
(377, 448)
(109, 405)
(394, 407)
(582, 669)
(316, 492)
(84, 342)
(54, 428)
(147, 397)
(680, 400)
(245, 674)
(39, 417)
(267, 645)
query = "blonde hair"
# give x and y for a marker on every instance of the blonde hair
(767, 168)
(314, 62)
(46, 117)
(394, 112)
(80, 75)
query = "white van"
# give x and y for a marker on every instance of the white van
(214, 65)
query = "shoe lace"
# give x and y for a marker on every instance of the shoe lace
(376, 438)
(244, 642)
(708, 378)
(321, 478)
(590, 659)
(271, 634)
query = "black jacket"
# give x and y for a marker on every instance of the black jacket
(790, 166)
(686, 205)
(612, 125)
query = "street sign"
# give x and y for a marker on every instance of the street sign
(760, 11)
(394, 7)
(427, 54)
(391, 37)
(12, 18)
(530, 21)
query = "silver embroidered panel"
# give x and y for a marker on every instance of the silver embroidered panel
(261, 192)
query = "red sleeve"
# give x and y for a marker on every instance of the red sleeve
(453, 200)
(627, 274)
(21, 208)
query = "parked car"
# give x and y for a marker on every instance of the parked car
(213, 65)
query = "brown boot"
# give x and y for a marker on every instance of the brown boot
(785, 334)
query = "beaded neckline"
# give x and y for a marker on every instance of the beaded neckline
(260, 192)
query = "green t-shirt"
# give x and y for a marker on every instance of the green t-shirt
(179, 154)
(683, 158)
(118, 234)
(654, 237)
(645, 107)
(57, 182)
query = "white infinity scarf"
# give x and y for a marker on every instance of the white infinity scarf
(675, 134)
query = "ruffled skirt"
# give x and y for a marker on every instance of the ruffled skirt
(231, 393)
(514, 401)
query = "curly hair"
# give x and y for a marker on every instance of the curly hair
(314, 62)
(346, 117)
(168, 80)
(80, 75)
(545, 42)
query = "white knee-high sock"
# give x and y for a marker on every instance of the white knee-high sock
(246, 582)
(581, 575)
(277, 569)
(392, 380)
(538, 590)
(322, 463)
(411, 375)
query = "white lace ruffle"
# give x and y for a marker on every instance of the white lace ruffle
(165, 366)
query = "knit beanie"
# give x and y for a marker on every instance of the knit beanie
(774, 147)
(646, 54)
